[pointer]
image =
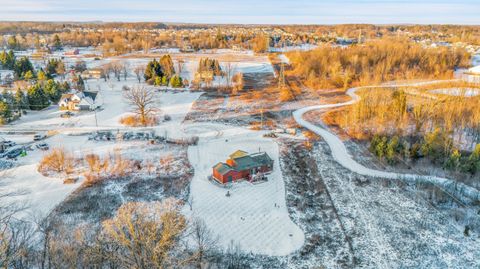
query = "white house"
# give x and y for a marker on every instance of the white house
(80, 101)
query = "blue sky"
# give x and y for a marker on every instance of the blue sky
(247, 11)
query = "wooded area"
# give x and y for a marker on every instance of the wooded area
(375, 62)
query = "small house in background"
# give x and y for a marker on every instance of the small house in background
(242, 166)
(186, 48)
(94, 73)
(80, 101)
(204, 76)
(72, 52)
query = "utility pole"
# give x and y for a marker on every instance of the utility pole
(261, 118)
(96, 122)
(281, 76)
(281, 79)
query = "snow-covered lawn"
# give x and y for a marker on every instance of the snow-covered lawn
(254, 216)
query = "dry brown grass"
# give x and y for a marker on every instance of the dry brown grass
(134, 121)
(58, 160)
(110, 166)
(447, 84)
(167, 163)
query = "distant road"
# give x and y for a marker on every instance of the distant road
(341, 155)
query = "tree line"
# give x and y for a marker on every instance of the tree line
(375, 62)
(444, 129)
(161, 73)
(39, 91)
(140, 235)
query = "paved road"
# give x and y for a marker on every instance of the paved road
(341, 155)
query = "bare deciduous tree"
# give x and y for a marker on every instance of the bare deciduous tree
(237, 83)
(229, 72)
(180, 65)
(15, 235)
(125, 67)
(142, 100)
(139, 72)
(117, 68)
(204, 240)
(146, 234)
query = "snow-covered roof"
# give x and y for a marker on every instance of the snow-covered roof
(91, 95)
(222, 168)
(87, 101)
(238, 154)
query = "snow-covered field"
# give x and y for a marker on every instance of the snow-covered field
(303, 47)
(476, 60)
(467, 92)
(254, 216)
(39, 193)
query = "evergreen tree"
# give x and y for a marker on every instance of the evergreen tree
(80, 84)
(207, 64)
(37, 100)
(176, 82)
(22, 67)
(41, 76)
(166, 63)
(57, 43)
(20, 100)
(7, 60)
(453, 161)
(381, 147)
(28, 75)
(53, 90)
(5, 112)
(12, 43)
(158, 81)
(472, 164)
(436, 145)
(391, 150)
(53, 66)
(153, 70)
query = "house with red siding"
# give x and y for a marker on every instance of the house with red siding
(242, 166)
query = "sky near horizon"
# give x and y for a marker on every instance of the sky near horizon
(246, 11)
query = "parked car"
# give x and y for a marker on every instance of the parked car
(9, 143)
(43, 146)
(14, 153)
(39, 137)
(67, 114)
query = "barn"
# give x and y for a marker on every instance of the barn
(242, 166)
